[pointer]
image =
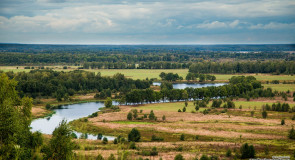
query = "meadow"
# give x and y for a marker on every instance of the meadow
(154, 73)
(211, 134)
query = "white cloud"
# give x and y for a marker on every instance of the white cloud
(273, 25)
(218, 24)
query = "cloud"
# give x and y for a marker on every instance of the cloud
(137, 19)
(218, 24)
(273, 25)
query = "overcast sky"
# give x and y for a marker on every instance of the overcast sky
(147, 21)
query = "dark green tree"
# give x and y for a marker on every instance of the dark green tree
(108, 102)
(134, 135)
(61, 145)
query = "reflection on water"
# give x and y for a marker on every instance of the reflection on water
(192, 85)
(69, 113)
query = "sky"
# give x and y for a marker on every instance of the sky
(147, 21)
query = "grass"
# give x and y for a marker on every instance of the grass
(174, 106)
(131, 122)
(154, 73)
(252, 104)
(281, 87)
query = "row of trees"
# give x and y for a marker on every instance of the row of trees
(285, 107)
(275, 67)
(239, 86)
(63, 84)
(170, 76)
(201, 77)
(133, 65)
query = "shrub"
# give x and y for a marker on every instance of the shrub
(264, 114)
(164, 118)
(197, 107)
(291, 134)
(204, 157)
(145, 116)
(134, 135)
(115, 141)
(132, 145)
(48, 106)
(154, 151)
(228, 153)
(99, 136)
(183, 109)
(182, 137)
(179, 110)
(155, 138)
(179, 157)
(152, 115)
(105, 140)
(282, 122)
(205, 112)
(65, 67)
(129, 116)
(247, 151)
(73, 135)
(99, 157)
(185, 103)
(108, 102)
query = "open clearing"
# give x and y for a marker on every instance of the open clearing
(215, 132)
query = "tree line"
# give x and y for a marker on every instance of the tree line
(238, 87)
(274, 67)
(63, 84)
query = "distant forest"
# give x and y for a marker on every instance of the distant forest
(275, 59)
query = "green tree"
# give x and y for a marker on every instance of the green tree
(99, 157)
(183, 109)
(283, 122)
(204, 157)
(134, 135)
(105, 140)
(179, 157)
(152, 115)
(247, 151)
(264, 114)
(129, 116)
(228, 153)
(61, 145)
(164, 118)
(291, 134)
(108, 102)
(182, 137)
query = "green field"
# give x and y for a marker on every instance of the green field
(281, 87)
(173, 107)
(252, 104)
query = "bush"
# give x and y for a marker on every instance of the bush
(132, 145)
(155, 138)
(48, 106)
(99, 157)
(134, 135)
(179, 157)
(164, 118)
(105, 140)
(99, 136)
(247, 151)
(115, 141)
(283, 122)
(73, 135)
(183, 109)
(204, 157)
(228, 153)
(182, 137)
(291, 134)
(154, 151)
(152, 115)
(179, 110)
(252, 113)
(264, 114)
(129, 116)
(65, 67)
(108, 102)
